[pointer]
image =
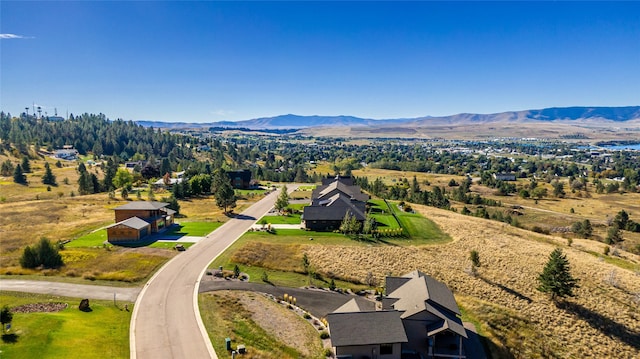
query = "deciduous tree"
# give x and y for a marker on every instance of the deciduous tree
(283, 199)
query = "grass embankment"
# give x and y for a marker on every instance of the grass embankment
(101, 333)
(267, 329)
(280, 254)
(603, 319)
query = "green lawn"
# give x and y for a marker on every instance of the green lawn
(93, 239)
(288, 219)
(196, 229)
(101, 333)
(298, 206)
(170, 245)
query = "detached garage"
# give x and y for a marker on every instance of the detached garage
(132, 229)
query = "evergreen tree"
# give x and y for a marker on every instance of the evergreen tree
(109, 174)
(6, 317)
(48, 177)
(350, 224)
(622, 219)
(7, 168)
(18, 176)
(85, 186)
(48, 254)
(556, 278)
(224, 194)
(613, 235)
(173, 204)
(283, 199)
(26, 166)
(29, 258)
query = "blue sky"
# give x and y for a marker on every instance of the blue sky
(211, 61)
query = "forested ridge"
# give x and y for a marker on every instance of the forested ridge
(91, 133)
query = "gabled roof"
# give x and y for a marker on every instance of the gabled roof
(449, 321)
(133, 222)
(350, 191)
(335, 209)
(414, 295)
(349, 307)
(364, 328)
(142, 205)
(169, 211)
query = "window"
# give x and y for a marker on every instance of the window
(386, 349)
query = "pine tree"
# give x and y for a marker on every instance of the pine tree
(26, 166)
(556, 278)
(6, 316)
(48, 177)
(18, 176)
(29, 258)
(48, 254)
(7, 168)
(224, 194)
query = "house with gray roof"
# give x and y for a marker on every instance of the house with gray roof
(331, 201)
(138, 219)
(419, 315)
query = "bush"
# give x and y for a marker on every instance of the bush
(324, 335)
(43, 254)
(328, 352)
(539, 229)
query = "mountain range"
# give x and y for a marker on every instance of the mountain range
(612, 114)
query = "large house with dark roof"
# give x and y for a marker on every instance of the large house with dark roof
(136, 220)
(240, 179)
(331, 201)
(419, 315)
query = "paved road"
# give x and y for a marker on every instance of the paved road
(70, 289)
(317, 302)
(166, 321)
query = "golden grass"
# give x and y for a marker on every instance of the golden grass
(390, 177)
(269, 330)
(511, 260)
(27, 219)
(286, 257)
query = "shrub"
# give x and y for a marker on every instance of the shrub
(539, 229)
(42, 254)
(324, 335)
(328, 352)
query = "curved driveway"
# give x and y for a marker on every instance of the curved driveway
(166, 322)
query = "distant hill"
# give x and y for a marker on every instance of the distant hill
(616, 114)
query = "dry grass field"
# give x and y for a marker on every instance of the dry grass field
(268, 330)
(31, 212)
(602, 321)
(594, 130)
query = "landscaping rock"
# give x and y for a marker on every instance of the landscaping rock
(84, 305)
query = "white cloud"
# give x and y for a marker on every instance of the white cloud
(14, 36)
